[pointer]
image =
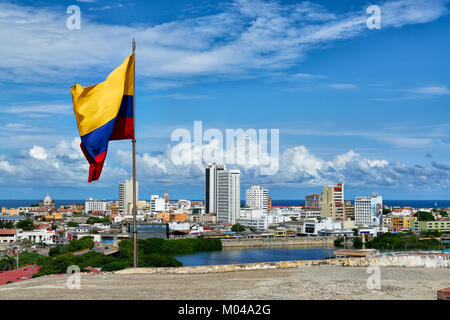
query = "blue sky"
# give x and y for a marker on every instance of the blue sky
(369, 107)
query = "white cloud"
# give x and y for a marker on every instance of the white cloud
(432, 90)
(37, 110)
(298, 167)
(243, 37)
(38, 153)
(65, 166)
(342, 86)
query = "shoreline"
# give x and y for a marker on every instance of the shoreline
(406, 260)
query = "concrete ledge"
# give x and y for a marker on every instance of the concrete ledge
(269, 242)
(425, 261)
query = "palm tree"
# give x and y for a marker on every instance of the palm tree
(7, 263)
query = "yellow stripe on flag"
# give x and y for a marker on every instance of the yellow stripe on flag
(96, 105)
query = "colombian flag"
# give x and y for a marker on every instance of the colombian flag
(105, 112)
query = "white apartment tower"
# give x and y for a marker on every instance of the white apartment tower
(257, 198)
(126, 195)
(157, 204)
(228, 195)
(369, 210)
(211, 186)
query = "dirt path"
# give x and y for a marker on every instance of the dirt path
(322, 282)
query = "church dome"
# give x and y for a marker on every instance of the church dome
(47, 201)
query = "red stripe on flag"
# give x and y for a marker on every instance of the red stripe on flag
(123, 129)
(96, 164)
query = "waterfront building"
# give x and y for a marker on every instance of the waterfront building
(228, 195)
(369, 211)
(126, 196)
(332, 205)
(157, 204)
(313, 200)
(257, 197)
(312, 228)
(211, 186)
(92, 205)
(150, 230)
(435, 225)
(349, 210)
(257, 223)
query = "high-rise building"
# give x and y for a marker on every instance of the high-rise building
(211, 186)
(349, 210)
(313, 200)
(228, 195)
(257, 198)
(332, 205)
(369, 211)
(126, 195)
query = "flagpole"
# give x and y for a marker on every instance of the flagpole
(135, 258)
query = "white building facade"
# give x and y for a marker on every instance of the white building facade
(211, 186)
(257, 197)
(228, 195)
(157, 204)
(369, 210)
(95, 205)
(126, 196)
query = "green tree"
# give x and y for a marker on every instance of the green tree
(338, 242)
(357, 243)
(25, 225)
(237, 227)
(92, 220)
(424, 216)
(72, 224)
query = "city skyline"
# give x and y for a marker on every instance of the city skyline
(367, 107)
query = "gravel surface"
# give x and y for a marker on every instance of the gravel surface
(320, 282)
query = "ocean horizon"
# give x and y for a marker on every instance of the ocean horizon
(14, 203)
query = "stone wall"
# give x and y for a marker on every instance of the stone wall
(273, 242)
(427, 261)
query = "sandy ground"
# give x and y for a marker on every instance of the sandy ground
(320, 282)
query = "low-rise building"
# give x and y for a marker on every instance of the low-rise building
(7, 235)
(47, 236)
(92, 205)
(172, 217)
(438, 225)
(401, 222)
